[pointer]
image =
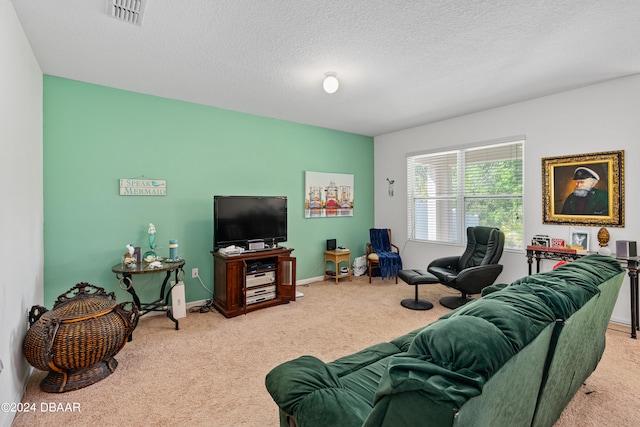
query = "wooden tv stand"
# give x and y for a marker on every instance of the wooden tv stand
(253, 280)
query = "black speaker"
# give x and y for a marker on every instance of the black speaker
(331, 244)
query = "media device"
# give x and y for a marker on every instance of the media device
(331, 244)
(256, 245)
(259, 279)
(626, 249)
(253, 222)
(255, 296)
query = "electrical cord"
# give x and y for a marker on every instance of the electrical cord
(205, 308)
(208, 290)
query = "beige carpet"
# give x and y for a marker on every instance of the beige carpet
(211, 372)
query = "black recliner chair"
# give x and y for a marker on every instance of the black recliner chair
(475, 269)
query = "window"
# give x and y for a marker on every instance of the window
(451, 190)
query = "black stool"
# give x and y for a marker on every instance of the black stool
(415, 278)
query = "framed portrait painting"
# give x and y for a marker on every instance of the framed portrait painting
(584, 189)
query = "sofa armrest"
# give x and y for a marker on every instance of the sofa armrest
(311, 394)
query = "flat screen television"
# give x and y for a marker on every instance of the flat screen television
(239, 220)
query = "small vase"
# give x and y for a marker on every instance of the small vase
(604, 251)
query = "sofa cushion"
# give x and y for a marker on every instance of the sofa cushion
(356, 361)
(463, 343)
(567, 288)
(403, 342)
(449, 376)
(519, 316)
(451, 359)
(364, 382)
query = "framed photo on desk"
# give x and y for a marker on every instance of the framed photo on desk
(579, 236)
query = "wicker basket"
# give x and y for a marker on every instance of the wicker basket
(77, 339)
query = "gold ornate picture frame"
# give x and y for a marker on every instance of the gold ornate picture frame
(601, 205)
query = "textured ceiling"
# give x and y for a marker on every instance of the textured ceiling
(400, 63)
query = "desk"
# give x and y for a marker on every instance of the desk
(631, 264)
(337, 257)
(162, 304)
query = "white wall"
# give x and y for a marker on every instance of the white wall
(21, 210)
(602, 117)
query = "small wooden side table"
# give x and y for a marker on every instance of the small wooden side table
(337, 257)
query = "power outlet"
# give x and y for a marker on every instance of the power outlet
(194, 273)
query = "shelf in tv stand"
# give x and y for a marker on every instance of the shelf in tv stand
(265, 270)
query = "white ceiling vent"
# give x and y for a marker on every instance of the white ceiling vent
(130, 11)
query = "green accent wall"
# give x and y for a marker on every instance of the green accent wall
(94, 135)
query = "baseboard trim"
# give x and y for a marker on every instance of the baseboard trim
(305, 282)
(621, 322)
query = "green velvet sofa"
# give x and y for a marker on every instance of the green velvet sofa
(514, 357)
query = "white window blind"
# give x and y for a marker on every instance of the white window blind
(449, 191)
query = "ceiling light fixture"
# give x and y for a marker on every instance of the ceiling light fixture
(330, 84)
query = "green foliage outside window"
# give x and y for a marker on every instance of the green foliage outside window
(491, 193)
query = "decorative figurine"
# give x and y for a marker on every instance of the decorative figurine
(129, 260)
(150, 255)
(603, 240)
